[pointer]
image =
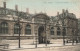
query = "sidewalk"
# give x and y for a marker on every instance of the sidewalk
(42, 47)
(30, 46)
(52, 47)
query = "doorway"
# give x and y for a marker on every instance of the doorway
(41, 35)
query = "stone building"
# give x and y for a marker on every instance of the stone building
(39, 24)
(67, 23)
(79, 28)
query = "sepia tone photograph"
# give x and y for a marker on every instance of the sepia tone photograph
(39, 25)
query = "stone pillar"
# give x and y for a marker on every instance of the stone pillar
(48, 32)
(55, 31)
(23, 29)
(11, 28)
(33, 27)
(61, 31)
(36, 32)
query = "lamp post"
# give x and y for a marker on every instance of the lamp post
(63, 32)
(72, 37)
(18, 21)
(19, 34)
(76, 37)
(45, 33)
(63, 35)
(36, 40)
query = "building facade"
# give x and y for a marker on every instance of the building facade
(39, 24)
(79, 28)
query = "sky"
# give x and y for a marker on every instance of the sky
(51, 7)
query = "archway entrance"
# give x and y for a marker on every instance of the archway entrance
(41, 35)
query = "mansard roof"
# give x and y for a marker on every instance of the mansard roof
(7, 11)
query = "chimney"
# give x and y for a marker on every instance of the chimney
(16, 7)
(35, 12)
(63, 10)
(57, 13)
(66, 11)
(4, 4)
(63, 13)
(27, 10)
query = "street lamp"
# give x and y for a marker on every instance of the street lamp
(64, 35)
(63, 32)
(36, 40)
(18, 21)
(19, 34)
(76, 37)
(72, 37)
(45, 32)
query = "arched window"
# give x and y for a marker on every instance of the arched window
(52, 31)
(16, 29)
(4, 28)
(58, 31)
(28, 29)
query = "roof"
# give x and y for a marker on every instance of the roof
(67, 15)
(41, 15)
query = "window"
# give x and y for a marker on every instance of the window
(58, 31)
(72, 32)
(16, 29)
(52, 31)
(3, 11)
(0, 11)
(64, 31)
(28, 29)
(4, 28)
